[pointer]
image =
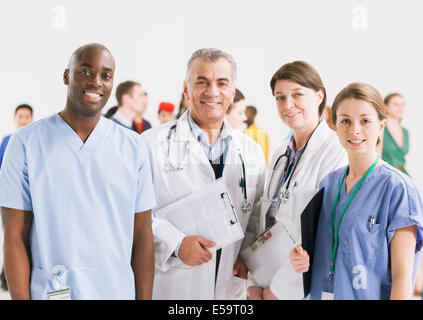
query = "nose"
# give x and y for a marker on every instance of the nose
(96, 80)
(212, 90)
(288, 102)
(355, 128)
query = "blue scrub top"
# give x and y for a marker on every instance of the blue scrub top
(84, 197)
(362, 263)
(3, 146)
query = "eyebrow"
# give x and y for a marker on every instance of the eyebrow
(204, 78)
(361, 115)
(90, 66)
(295, 89)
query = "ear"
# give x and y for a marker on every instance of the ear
(382, 126)
(66, 77)
(186, 91)
(320, 95)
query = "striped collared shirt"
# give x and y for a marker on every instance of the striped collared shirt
(213, 152)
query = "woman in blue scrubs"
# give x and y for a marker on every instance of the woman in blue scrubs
(370, 228)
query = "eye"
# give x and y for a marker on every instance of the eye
(298, 94)
(107, 76)
(279, 98)
(345, 121)
(85, 72)
(365, 121)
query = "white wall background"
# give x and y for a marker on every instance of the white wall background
(375, 41)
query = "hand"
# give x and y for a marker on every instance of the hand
(299, 259)
(240, 269)
(193, 250)
(268, 294)
(255, 293)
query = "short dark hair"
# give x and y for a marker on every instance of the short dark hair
(23, 106)
(302, 73)
(252, 108)
(124, 88)
(111, 112)
(238, 97)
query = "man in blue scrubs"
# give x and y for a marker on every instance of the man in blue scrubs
(74, 228)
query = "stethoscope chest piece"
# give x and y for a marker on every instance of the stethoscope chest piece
(284, 196)
(245, 206)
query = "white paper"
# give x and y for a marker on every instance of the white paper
(205, 213)
(268, 258)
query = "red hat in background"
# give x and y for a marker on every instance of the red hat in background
(166, 106)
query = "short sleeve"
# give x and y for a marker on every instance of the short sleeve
(406, 209)
(14, 183)
(146, 198)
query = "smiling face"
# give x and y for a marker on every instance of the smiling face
(297, 105)
(210, 90)
(358, 126)
(90, 81)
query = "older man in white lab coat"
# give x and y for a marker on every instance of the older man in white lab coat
(201, 147)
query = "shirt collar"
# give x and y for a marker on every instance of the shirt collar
(122, 119)
(225, 132)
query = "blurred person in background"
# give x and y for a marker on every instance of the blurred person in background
(166, 112)
(395, 139)
(235, 114)
(254, 131)
(183, 106)
(23, 116)
(132, 102)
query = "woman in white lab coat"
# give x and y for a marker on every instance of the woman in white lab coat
(293, 178)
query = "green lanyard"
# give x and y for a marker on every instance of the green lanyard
(332, 221)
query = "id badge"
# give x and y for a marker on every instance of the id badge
(63, 294)
(327, 295)
(328, 288)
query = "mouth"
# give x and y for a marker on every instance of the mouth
(291, 114)
(211, 103)
(356, 142)
(93, 96)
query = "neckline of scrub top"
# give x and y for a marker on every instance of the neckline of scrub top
(369, 178)
(82, 149)
(393, 140)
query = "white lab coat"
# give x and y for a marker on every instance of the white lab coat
(322, 155)
(173, 279)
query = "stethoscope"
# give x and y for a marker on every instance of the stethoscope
(285, 195)
(245, 205)
(169, 167)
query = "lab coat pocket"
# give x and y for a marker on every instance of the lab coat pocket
(365, 241)
(237, 290)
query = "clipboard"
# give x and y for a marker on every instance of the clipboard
(207, 212)
(309, 223)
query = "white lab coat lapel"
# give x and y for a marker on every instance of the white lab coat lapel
(316, 141)
(195, 154)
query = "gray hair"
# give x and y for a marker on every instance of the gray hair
(211, 54)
